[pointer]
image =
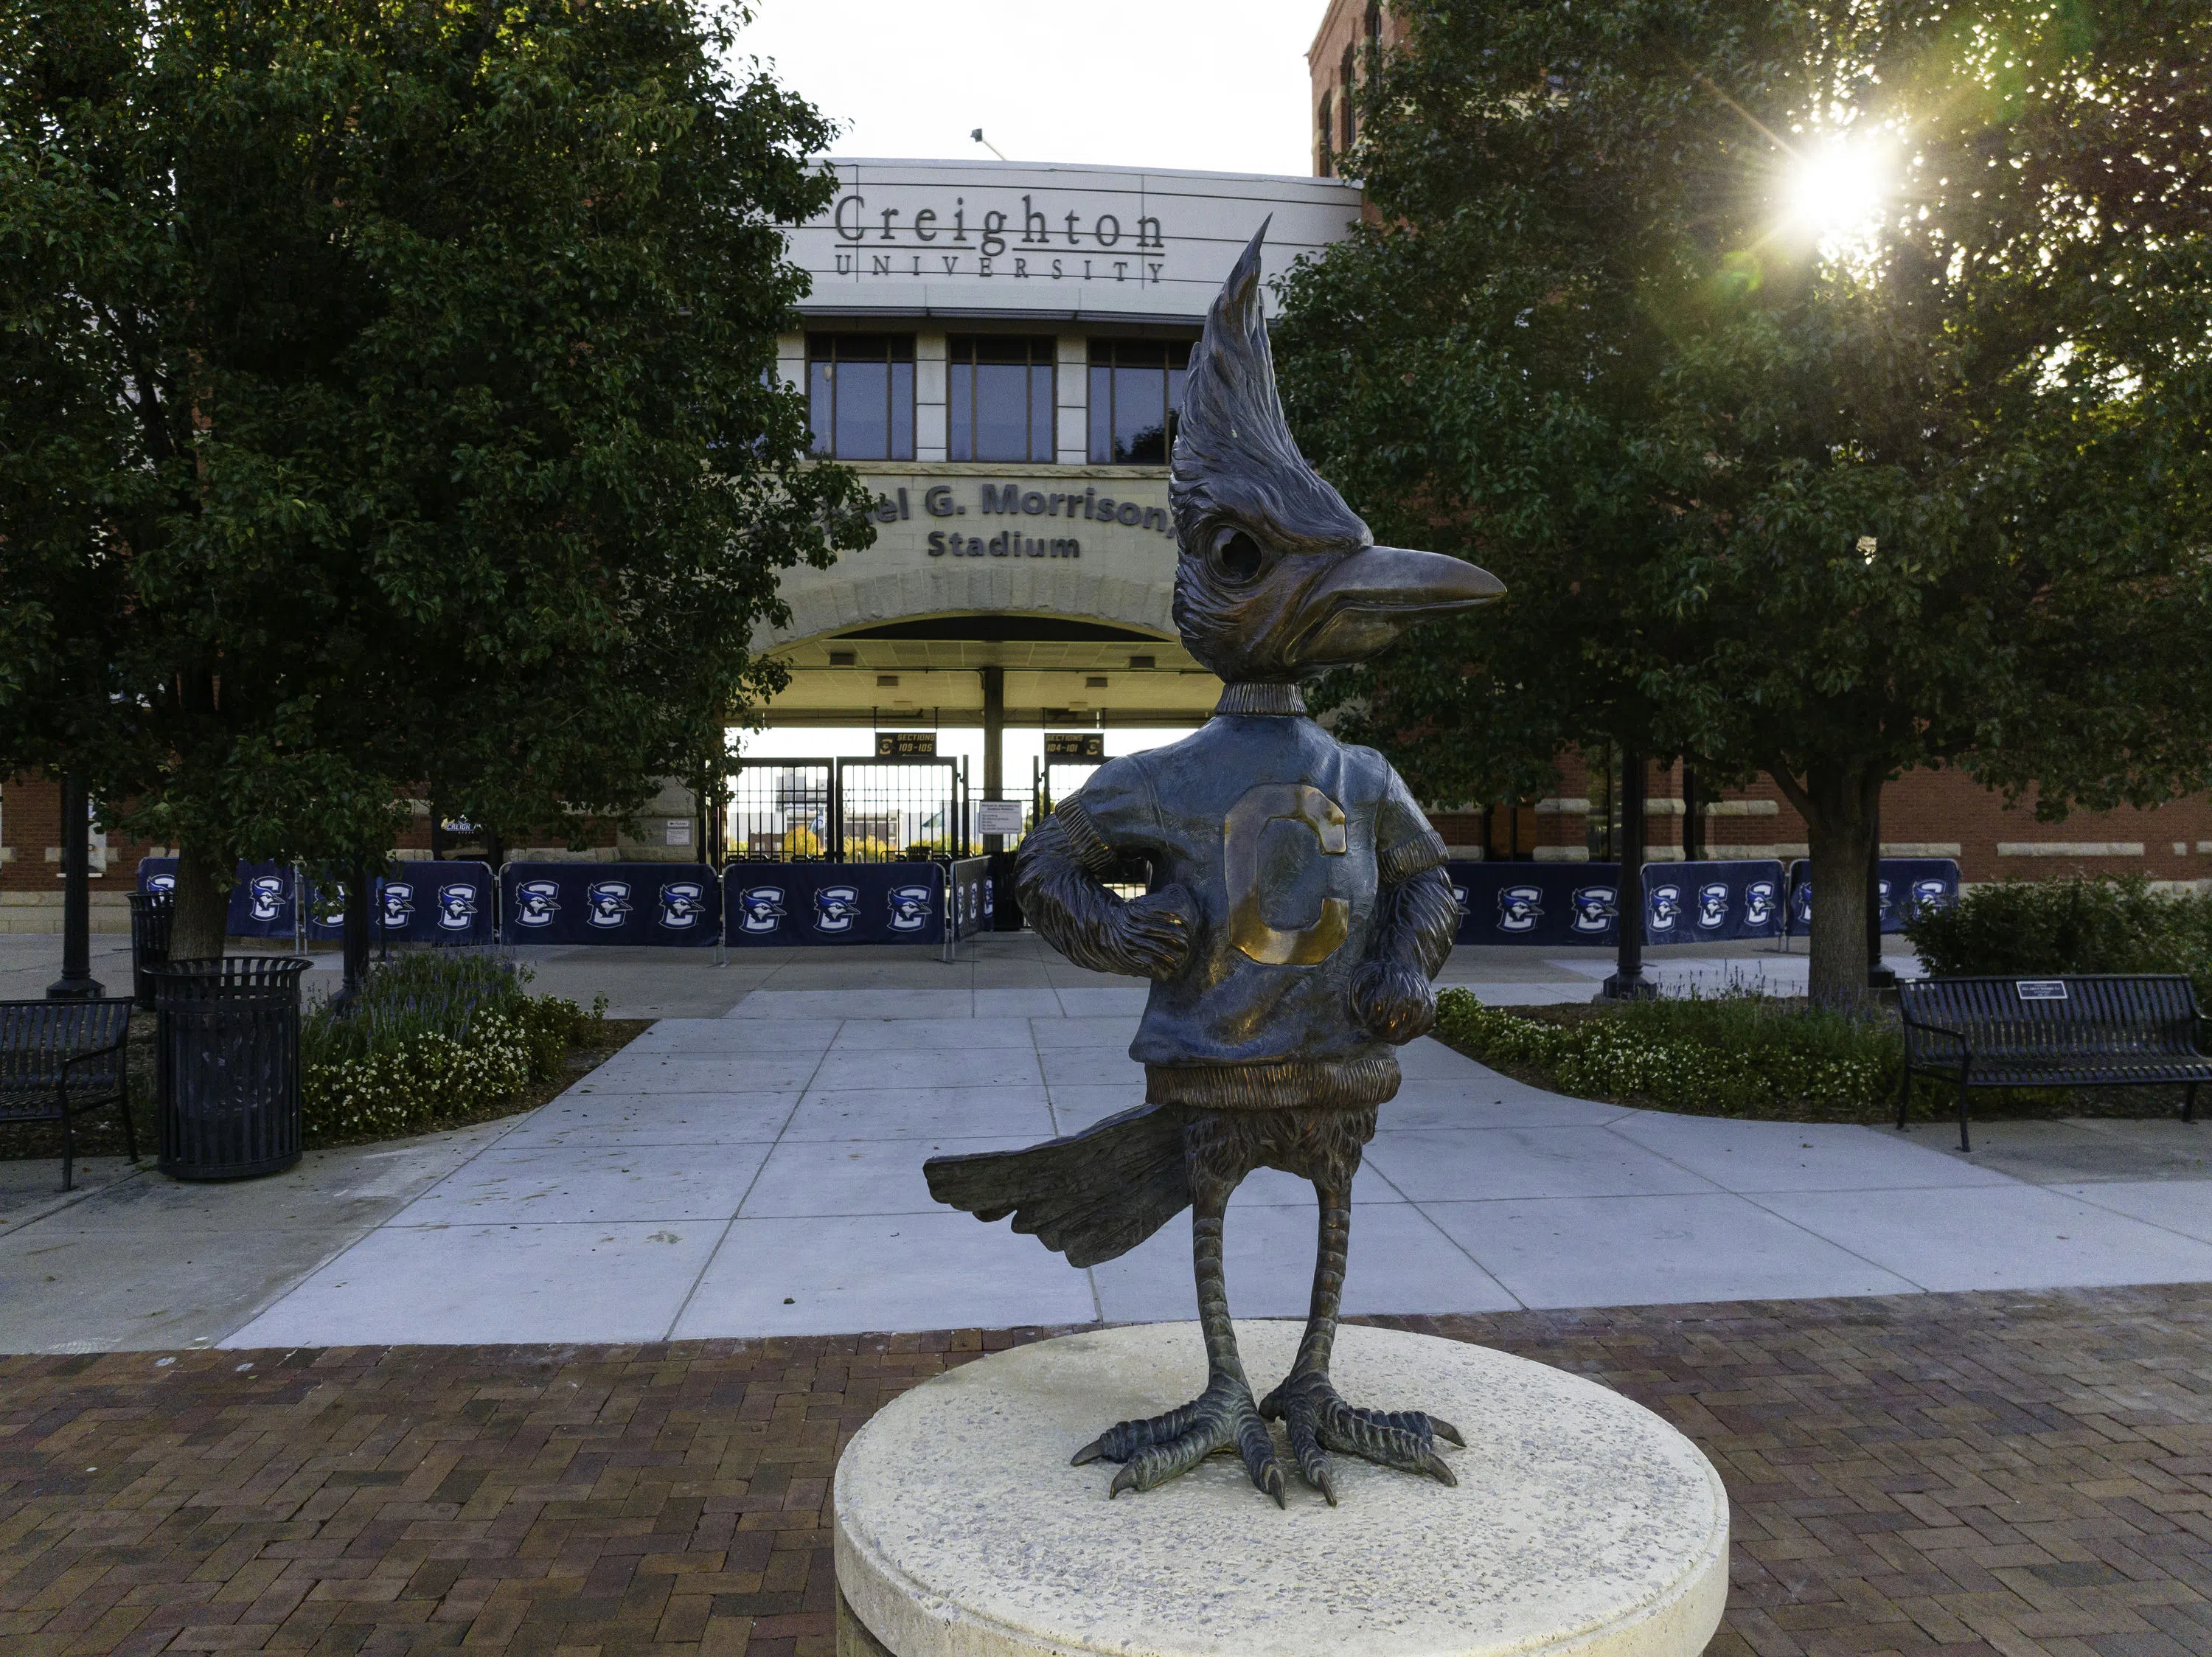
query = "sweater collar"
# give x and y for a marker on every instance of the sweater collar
(1280, 701)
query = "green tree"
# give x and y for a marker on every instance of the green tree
(386, 402)
(1829, 384)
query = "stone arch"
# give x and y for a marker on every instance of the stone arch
(1041, 586)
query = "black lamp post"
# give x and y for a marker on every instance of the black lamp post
(1628, 982)
(76, 982)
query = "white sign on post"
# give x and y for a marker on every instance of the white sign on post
(999, 816)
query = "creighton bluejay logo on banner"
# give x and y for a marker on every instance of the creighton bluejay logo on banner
(265, 897)
(1712, 905)
(1596, 908)
(763, 908)
(536, 902)
(1929, 894)
(608, 901)
(836, 907)
(1666, 905)
(683, 904)
(1800, 904)
(1758, 902)
(160, 883)
(909, 906)
(398, 900)
(1519, 908)
(457, 907)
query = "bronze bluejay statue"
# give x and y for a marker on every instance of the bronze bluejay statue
(1305, 911)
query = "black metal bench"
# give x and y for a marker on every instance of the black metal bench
(59, 1059)
(2093, 1030)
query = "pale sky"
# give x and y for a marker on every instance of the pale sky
(1215, 85)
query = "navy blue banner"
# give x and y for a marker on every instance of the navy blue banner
(1555, 904)
(261, 900)
(784, 904)
(674, 905)
(416, 901)
(1909, 885)
(972, 906)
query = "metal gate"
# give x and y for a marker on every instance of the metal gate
(1052, 781)
(891, 811)
(783, 810)
(853, 811)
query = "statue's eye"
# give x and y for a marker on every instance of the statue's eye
(1237, 556)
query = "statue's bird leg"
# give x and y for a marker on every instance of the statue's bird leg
(1306, 1402)
(1224, 1416)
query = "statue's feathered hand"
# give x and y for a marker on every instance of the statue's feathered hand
(1392, 1001)
(1149, 937)
(1414, 922)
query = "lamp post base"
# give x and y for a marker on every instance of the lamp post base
(1631, 986)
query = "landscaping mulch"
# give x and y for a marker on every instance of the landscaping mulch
(2027, 1475)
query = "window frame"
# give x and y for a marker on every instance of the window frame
(828, 349)
(1042, 352)
(1100, 359)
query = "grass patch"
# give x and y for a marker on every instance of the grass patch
(1742, 1055)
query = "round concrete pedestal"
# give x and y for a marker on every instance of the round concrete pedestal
(1582, 1523)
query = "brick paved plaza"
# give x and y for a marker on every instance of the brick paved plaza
(2028, 1475)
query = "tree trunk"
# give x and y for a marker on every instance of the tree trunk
(203, 904)
(1839, 800)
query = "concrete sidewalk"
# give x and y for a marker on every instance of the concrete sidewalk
(760, 1173)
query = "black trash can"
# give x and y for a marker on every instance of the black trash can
(151, 914)
(227, 1043)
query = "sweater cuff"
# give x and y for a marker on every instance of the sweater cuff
(1091, 850)
(1395, 865)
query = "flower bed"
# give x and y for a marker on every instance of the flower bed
(437, 1037)
(1722, 1056)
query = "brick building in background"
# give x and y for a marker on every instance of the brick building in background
(903, 622)
(1927, 814)
(31, 852)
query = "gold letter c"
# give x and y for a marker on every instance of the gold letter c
(1295, 803)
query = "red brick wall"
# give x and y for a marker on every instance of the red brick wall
(30, 829)
(1935, 813)
(1344, 24)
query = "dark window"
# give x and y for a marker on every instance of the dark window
(1345, 77)
(1136, 386)
(1374, 25)
(999, 398)
(1323, 123)
(860, 389)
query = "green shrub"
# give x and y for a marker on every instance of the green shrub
(434, 1035)
(1729, 1054)
(2084, 924)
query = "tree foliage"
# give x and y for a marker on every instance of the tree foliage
(1829, 498)
(386, 404)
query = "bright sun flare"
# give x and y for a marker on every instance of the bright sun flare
(1837, 191)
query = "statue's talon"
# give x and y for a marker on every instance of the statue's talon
(1319, 1421)
(1154, 1450)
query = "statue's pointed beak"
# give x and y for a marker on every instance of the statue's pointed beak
(1377, 592)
